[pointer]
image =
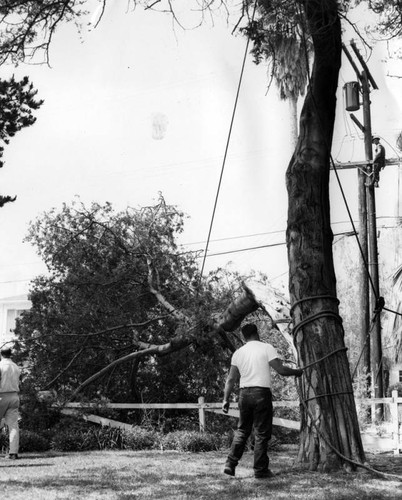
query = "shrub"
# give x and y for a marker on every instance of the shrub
(219, 424)
(68, 440)
(84, 439)
(106, 438)
(71, 423)
(284, 435)
(29, 441)
(36, 415)
(138, 438)
(190, 441)
(32, 441)
(166, 420)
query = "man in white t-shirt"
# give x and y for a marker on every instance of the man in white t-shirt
(251, 366)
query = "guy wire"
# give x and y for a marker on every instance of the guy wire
(227, 146)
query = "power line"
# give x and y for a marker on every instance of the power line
(226, 252)
(265, 233)
(269, 245)
(229, 238)
(16, 281)
(227, 145)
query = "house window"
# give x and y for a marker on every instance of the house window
(400, 375)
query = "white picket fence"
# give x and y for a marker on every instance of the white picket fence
(393, 438)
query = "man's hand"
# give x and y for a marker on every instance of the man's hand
(225, 406)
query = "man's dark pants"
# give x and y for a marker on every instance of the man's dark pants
(255, 405)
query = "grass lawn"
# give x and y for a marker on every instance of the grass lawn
(124, 475)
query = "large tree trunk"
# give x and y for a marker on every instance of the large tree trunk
(329, 419)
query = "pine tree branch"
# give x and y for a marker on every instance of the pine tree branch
(6, 199)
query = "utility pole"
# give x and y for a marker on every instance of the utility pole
(368, 240)
(376, 344)
(363, 279)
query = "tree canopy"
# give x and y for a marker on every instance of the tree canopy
(17, 102)
(27, 27)
(119, 285)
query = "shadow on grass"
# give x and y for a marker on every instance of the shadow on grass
(37, 456)
(19, 465)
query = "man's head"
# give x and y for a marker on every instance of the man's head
(5, 352)
(250, 332)
(375, 139)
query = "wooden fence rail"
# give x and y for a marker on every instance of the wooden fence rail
(203, 408)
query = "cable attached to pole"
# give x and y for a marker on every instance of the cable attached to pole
(227, 147)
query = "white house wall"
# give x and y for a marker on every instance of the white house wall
(7, 305)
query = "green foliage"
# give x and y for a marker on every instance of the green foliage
(76, 439)
(17, 101)
(71, 440)
(80, 436)
(33, 25)
(84, 439)
(98, 304)
(29, 441)
(283, 435)
(36, 416)
(279, 36)
(71, 435)
(388, 22)
(139, 438)
(38, 21)
(165, 421)
(33, 441)
(190, 441)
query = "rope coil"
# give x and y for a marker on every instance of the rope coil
(323, 313)
(324, 357)
(309, 319)
(314, 297)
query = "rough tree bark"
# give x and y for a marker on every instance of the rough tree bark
(329, 419)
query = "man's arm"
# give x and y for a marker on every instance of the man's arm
(233, 377)
(286, 371)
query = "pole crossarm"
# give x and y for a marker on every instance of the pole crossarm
(351, 61)
(364, 65)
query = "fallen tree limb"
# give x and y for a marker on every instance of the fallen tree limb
(228, 321)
